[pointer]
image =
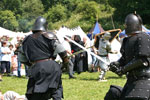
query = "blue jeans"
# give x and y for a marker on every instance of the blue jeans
(19, 69)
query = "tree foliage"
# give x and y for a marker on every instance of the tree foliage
(13, 5)
(124, 7)
(8, 20)
(89, 10)
(32, 9)
(56, 14)
(20, 14)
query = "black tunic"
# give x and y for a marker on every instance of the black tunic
(44, 75)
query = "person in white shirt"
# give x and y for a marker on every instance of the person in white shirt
(5, 59)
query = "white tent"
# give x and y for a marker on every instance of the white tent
(6, 32)
(63, 31)
(115, 46)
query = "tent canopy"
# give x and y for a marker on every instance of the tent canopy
(95, 30)
(63, 31)
(6, 32)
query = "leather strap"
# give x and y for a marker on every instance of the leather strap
(42, 60)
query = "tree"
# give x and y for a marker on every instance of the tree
(56, 13)
(32, 9)
(124, 7)
(50, 3)
(8, 20)
(25, 25)
(89, 9)
(13, 5)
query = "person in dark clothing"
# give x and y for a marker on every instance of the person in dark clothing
(85, 56)
(78, 61)
(40, 49)
(135, 62)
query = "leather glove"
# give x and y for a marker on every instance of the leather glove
(114, 67)
(119, 71)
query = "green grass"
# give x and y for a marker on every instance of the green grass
(84, 87)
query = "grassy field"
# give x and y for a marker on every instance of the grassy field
(84, 87)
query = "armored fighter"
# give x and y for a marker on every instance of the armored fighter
(40, 49)
(134, 63)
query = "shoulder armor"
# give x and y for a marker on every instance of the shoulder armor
(50, 35)
(143, 45)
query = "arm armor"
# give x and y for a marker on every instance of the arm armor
(59, 49)
(135, 63)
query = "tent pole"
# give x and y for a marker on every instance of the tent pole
(112, 22)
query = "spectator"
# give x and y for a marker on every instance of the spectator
(11, 54)
(85, 56)
(5, 62)
(78, 63)
(93, 49)
(18, 62)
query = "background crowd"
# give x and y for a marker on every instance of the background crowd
(10, 65)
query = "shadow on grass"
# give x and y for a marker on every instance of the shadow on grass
(115, 77)
(16, 77)
(88, 79)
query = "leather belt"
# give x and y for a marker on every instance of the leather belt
(41, 60)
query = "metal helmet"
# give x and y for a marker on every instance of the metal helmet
(39, 24)
(133, 24)
(107, 36)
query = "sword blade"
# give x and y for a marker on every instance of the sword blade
(98, 57)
